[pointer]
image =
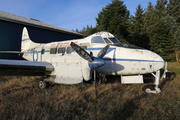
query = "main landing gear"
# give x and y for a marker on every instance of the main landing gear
(42, 84)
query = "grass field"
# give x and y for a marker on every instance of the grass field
(20, 98)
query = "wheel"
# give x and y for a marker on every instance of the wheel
(148, 88)
(42, 84)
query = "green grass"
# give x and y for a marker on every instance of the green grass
(21, 99)
(174, 67)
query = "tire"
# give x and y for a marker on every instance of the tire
(42, 84)
(151, 87)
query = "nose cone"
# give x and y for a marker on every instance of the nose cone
(158, 62)
(158, 58)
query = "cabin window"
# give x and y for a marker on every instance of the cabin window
(114, 40)
(70, 50)
(97, 39)
(61, 50)
(42, 51)
(53, 51)
(107, 41)
(84, 47)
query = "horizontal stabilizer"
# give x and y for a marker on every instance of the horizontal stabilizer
(11, 52)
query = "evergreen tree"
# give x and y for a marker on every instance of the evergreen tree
(89, 30)
(149, 22)
(159, 30)
(165, 37)
(137, 32)
(113, 18)
(77, 30)
(149, 17)
(173, 9)
(160, 9)
(174, 36)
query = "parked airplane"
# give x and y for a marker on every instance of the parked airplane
(71, 62)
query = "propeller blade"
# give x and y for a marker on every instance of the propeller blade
(95, 82)
(103, 51)
(80, 51)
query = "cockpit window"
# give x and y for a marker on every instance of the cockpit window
(114, 40)
(107, 41)
(97, 39)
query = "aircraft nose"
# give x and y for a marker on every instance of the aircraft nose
(158, 61)
(158, 58)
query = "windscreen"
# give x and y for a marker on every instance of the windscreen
(97, 39)
(107, 41)
(114, 40)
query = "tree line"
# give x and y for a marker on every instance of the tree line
(157, 27)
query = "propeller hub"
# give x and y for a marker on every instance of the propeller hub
(96, 63)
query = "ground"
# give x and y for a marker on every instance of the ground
(20, 98)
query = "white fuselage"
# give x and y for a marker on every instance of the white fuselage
(119, 59)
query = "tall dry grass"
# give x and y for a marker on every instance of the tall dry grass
(20, 98)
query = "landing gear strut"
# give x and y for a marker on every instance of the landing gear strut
(153, 88)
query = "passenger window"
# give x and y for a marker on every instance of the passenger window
(84, 47)
(42, 51)
(53, 51)
(69, 50)
(61, 50)
(97, 39)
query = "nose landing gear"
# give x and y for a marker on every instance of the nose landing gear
(153, 88)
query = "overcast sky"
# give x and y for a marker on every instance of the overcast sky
(68, 14)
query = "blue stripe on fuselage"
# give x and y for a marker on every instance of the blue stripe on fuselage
(109, 50)
(109, 59)
(138, 60)
(37, 51)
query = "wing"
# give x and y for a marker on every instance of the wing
(24, 68)
(11, 52)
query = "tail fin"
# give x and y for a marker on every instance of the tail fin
(26, 42)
